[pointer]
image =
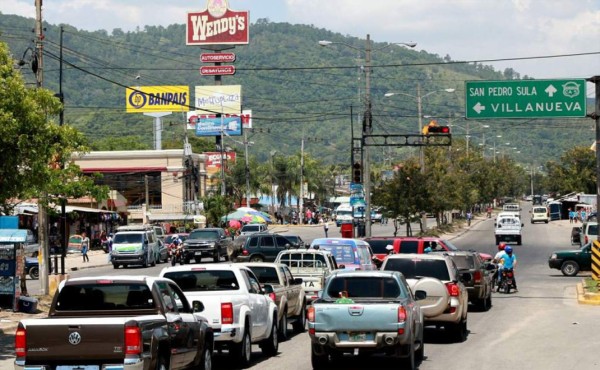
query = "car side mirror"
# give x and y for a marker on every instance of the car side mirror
(341, 267)
(297, 281)
(522, 224)
(197, 306)
(420, 295)
(287, 246)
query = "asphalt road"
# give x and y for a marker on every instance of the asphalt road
(540, 327)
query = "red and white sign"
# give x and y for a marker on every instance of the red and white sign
(217, 70)
(193, 117)
(218, 25)
(217, 57)
(213, 159)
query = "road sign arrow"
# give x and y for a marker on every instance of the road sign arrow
(550, 90)
(479, 108)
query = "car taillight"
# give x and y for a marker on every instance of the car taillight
(452, 289)
(226, 313)
(477, 276)
(245, 252)
(272, 296)
(585, 239)
(133, 340)
(401, 318)
(20, 343)
(310, 314)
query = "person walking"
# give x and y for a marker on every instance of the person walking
(85, 247)
(326, 228)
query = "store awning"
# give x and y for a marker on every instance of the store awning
(13, 236)
(69, 209)
(176, 217)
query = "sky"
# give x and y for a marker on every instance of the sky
(463, 29)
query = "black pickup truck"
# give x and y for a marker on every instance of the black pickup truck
(124, 322)
(208, 242)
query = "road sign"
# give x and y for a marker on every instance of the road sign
(525, 99)
(217, 57)
(217, 70)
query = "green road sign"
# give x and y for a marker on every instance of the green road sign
(525, 99)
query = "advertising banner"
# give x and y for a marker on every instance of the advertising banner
(231, 126)
(213, 166)
(152, 99)
(217, 25)
(193, 117)
(226, 99)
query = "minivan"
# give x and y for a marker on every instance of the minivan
(253, 228)
(539, 214)
(135, 245)
(350, 254)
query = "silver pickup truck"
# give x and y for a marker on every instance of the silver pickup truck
(366, 312)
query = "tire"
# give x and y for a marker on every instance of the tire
(459, 331)
(409, 361)
(161, 363)
(115, 265)
(145, 263)
(34, 273)
(489, 301)
(257, 259)
(300, 324)
(242, 352)
(482, 304)
(318, 358)
(569, 268)
(270, 346)
(283, 327)
(420, 353)
(217, 256)
(206, 360)
(507, 288)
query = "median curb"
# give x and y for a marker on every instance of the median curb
(587, 298)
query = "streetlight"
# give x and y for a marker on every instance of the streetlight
(419, 113)
(367, 128)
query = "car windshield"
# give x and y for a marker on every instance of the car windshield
(204, 280)
(343, 253)
(451, 247)
(104, 296)
(265, 275)
(416, 267)
(204, 234)
(365, 287)
(592, 229)
(344, 213)
(124, 238)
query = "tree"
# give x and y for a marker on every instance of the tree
(576, 172)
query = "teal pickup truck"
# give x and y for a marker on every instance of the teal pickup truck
(571, 261)
(361, 312)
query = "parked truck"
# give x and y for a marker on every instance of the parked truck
(363, 312)
(287, 292)
(124, 322)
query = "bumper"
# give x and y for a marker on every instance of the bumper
(555, 263)
(198, 253)
(227, 334)
(128, 364)
(128, 258)
(508, 237)
(342, 340)
(453, 314)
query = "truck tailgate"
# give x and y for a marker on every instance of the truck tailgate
(356, 317)
(54, 339)
(212, 304)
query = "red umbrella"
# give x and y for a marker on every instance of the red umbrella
(235, 224)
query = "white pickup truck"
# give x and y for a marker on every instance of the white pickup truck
(508, 229)
(311, 265)
(236, 306)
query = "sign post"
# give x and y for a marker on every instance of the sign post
(525, 99)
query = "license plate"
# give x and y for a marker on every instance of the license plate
(357, 337)
(78, 367)
(198, 253)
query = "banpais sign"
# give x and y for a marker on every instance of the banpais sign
(217, 24)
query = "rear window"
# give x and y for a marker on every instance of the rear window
(592, 229)
(102, 297)
(204, 280)
(409, 246)
(378, 245)
(204, 234)
(342, 253)
(365, 287)
(250, 228)
(306, 260)
(414, 268)
(265, 275)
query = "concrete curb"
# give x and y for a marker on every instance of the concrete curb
(587, 298)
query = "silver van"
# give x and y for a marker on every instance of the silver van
(135, 245)
(253, 228)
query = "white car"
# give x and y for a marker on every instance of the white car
(540, 214)
(236, 306)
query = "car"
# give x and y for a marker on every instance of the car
(163, 252)
(134, 245)
(249, 229)
(207, 242)
(263, 247)
(350, 254)
(571, 261)
(540, 214)
(589, 232)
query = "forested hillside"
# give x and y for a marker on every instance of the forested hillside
(294, 87)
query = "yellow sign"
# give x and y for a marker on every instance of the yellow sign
(151, 99)
(219, 99)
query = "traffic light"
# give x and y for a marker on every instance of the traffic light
(444, 130)
(356, 173)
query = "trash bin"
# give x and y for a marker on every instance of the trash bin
(28, 304)
(347, 230)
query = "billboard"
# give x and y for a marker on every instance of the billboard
(217, 25)
(226, 99)
(213, 166)
(152, 99)
(231, 126)
(193, 117)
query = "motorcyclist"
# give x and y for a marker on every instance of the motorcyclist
(174, 247)
(499, 261)
(510, 262)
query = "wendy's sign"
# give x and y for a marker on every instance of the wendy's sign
(217, 24)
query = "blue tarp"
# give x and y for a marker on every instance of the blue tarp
(13, 236)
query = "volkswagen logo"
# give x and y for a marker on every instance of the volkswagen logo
(75, 338)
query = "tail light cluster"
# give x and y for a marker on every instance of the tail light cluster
(20, 343)
(310, 316)
(477, 277)
(401, 318)
(227, 313)
(453, 289)
(133, 340)
(245, 251)
(272, 296)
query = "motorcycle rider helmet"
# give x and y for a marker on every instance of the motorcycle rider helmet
(508, 250)
(501, 246)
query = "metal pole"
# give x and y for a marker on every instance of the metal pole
(301, 200)
(596, 80)
(420, 120)
(64, 227)
(468, 137)
(222, 156)
(367, 129)
(247, 170)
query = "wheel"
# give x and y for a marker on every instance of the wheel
(206, 361)
(217, 256)
(271, 345)
(318, 357)
(283, 327)
(569, 268)
(482, 304)
(242, 351)
(420, 353)
(300, 324)
(519, 240)
(116, 265)
(34, 272)
(489, 301)
(161, 363)
(459, 331)
(506, 288)
(410, 361)
(256, 259)
(145, 263)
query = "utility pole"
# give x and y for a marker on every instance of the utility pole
(367, 130)
(247, 169)
(301, 200)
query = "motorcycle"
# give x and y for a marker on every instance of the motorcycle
(507, 281)
(176, 254)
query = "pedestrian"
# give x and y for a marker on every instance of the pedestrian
(571, 215)
(326, 228)
(85, 247)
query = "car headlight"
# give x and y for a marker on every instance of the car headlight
(553, 256)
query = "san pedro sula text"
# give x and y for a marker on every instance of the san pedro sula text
(168, 98)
